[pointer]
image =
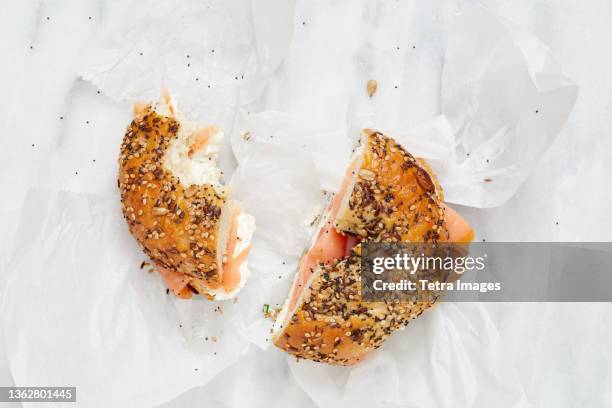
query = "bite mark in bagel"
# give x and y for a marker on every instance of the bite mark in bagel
(176, 207)
(387, 196)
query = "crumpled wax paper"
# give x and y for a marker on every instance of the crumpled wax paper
(87, 316)
(82, 313)
(504, 99)
(213, 56)
(451, 357)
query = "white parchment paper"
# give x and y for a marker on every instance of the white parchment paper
(82, 313)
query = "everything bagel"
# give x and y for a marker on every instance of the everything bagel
(175, 206)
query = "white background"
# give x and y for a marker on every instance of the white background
(561, 352)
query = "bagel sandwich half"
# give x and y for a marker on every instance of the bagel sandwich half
(172, 198)
(387, 196)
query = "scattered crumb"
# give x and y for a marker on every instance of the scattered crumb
(315, 220)
(371, 87)
(269, 312)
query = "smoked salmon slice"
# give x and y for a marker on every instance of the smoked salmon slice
(459, 230)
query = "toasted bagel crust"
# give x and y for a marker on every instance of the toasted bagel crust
(394, 198)
(176, 226)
